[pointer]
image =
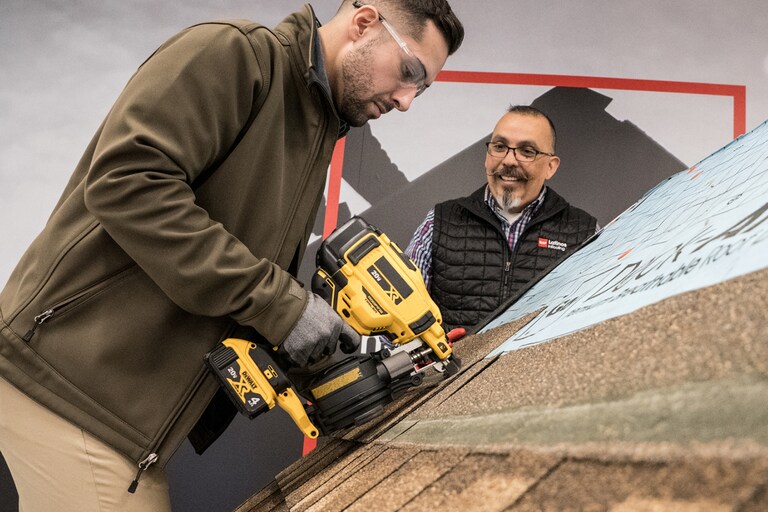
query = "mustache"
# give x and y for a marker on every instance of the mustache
(510, 172)
(385, 106)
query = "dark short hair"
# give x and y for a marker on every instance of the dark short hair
(412, 16)
(527, 110)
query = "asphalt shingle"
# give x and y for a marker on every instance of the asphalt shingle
(661, 409)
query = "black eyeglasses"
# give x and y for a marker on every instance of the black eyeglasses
(412, 70)
(523, 154)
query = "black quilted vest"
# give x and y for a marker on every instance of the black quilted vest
(473, 269)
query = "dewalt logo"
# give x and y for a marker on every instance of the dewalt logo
(394, 296)
(244, 385)
(391, 283)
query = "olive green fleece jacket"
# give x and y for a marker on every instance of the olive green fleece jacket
(195, 196)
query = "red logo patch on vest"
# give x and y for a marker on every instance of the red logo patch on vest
(545, 243)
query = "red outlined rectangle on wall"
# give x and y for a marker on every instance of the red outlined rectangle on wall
(737, 92)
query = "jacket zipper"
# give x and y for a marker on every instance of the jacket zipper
(143, 466)
(508, 256)
(507, 265)
(152, 458)
(71, 301)
(39, 320)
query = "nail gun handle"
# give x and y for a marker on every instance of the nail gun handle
(324, 287)
(290, 403)
(255, 382)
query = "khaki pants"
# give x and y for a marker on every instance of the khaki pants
(59, 467)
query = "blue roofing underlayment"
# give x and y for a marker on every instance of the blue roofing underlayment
(697, 228)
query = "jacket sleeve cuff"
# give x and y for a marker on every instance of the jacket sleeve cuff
(277, 320)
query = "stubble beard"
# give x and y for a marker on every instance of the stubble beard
(358, 83)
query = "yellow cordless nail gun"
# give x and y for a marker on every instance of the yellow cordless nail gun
(378, 290)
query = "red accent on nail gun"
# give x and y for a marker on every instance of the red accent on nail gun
(456, 334)
(309, 445)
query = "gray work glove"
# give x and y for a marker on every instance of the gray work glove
(317, 333)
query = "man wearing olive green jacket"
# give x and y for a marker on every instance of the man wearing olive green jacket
(183, 223)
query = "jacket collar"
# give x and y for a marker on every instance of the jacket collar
(301, 28)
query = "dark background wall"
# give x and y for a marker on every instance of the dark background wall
(62, 64)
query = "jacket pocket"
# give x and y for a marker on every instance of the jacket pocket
(62, 307)
(128, 348)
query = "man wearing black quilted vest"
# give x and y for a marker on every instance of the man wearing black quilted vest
(476, 252)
